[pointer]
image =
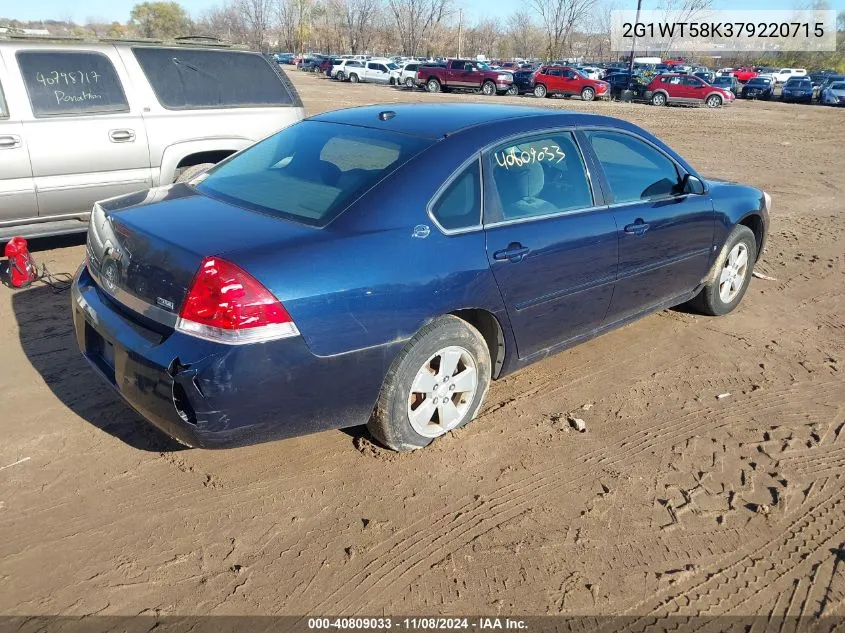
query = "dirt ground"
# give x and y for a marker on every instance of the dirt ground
(672, 501)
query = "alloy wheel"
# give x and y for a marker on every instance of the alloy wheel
(733, 273)
(442, 391)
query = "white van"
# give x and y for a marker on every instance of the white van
(85, 121)
(785, 74)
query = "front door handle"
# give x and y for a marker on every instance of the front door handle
(122, 136)
(10, 141)
(514, 253)
(639, 227)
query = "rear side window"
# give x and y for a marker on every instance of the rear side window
(634, 169)
(459, 207)
(62, 83)
(310, 172)
(538, 176)
(4, 111)
(189, 78)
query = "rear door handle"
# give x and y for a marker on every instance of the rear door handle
(122, 136)
(10, 141)
(639, 227)
(515, 253)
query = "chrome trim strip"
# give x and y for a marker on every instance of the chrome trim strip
(545, 216)
(136, 304)
(82, 217)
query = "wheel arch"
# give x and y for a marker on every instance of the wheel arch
(487, 323)
(754, 221)
(186, 154)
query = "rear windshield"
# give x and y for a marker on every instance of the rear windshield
(310, 172)
(190, 78)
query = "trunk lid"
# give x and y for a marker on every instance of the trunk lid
(145, 248)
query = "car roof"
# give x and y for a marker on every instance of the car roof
(437, 120)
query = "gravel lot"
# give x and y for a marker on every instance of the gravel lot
(672, 501)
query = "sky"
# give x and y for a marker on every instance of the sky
(118, 10)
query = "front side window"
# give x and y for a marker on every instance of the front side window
(459, 207)
(538, 176)
(191, 78)
(634, 169)
(310, 172)
(63, 83)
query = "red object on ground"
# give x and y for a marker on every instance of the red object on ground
(21, 266)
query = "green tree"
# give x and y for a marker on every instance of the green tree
(160, 19)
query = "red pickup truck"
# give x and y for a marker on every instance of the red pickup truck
(464, 74)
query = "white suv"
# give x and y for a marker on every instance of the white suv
(81, 122)
(348, 69)
(785, 74)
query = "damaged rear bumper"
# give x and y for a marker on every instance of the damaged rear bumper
(211, 395)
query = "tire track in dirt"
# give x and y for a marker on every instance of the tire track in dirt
(508, 501)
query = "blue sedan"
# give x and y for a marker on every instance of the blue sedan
(381, 265)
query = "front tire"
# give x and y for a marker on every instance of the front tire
(513, 91)
(714, 101)
(730, 276)
(435, 385)
(488, 88)
(588, 94)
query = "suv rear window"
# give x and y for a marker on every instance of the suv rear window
(61, 83)
(310, 172)
(190, 78)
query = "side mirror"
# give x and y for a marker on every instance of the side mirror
(691, 184)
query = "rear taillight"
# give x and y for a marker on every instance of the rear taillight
(226, 305)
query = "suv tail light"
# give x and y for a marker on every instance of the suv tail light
(227, 305)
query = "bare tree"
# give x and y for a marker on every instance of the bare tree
(416, 19)
(358, 19)
(559, 18)
(524, 35)
(681, 11)
(256, 15)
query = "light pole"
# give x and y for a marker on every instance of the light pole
(628, 92)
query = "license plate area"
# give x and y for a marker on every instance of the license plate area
(100, 351)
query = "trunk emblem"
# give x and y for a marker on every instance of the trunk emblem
(421, 231)
(164, 303)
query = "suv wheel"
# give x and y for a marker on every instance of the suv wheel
(353, 78)
(340, 76)
(488, 88)
(540, 91)
(433, 85)
(714, 101)
(513, 90)
(436, 384)
(409, 82)
(659, 99)
(189, 173)
(588, 94)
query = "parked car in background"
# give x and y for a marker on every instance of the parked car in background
(275, 326)
(563, 80)
(706, 76)
(785, 74)
(464, 74)
(619, 83)
(326, 65)
(523, 82)
(758, 88)
(744, 74)
(591, 72)
(117, 117)
(406, 74)
(727, 82)
(797, 89)
(829, 79)
(377, 71)
(833, 94)
(284, 58)
(686, 89)
(345, 69)
(311, 63)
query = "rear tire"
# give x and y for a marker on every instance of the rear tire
(730, 275)
(340, 76)
(540, 91)
(659, 99)
(513, 91)
(432, 85)
(409, 82)
(353, 78)
(189, 173)
(444, 370)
